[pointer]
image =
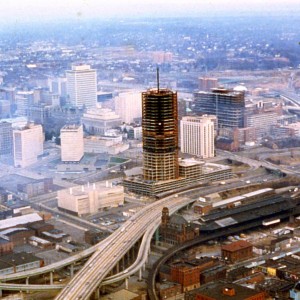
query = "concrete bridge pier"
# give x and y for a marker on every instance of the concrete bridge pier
(97, 294)
(123, 263)
(102, 289)
(140, 275)
(51, 277)
(27, 282)
(72, 270)
(133, 255)
(147, 259)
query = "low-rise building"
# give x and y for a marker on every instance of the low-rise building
(134, 132)
(55, 236)
(90, 199)
(40, 227)
(6, 246)
(40, 243)
(223, 290)
(275, 288)
(192, 172)
(18, 235)
(216, 272)
(36, 187)
(237, 251)
(187, 272)
(97, 121)
(94, 236)
(175, 229)
(104, 144)
(170, 290)
(17, 262)
(20, 221)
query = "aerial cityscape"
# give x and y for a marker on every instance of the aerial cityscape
(149, 150)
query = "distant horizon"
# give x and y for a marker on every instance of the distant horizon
(57, 21)
(33, 11)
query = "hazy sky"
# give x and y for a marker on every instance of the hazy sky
(24, 10)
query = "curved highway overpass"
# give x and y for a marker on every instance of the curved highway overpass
(105, 258)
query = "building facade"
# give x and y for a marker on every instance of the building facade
(227, 105)
(82, 86)
(129, 106)
(6, 138)
(160, 135)
(223, 290)
(72, 148)
(97, 121)
(176, 230)
(262, 122)
(197, 136)
(27, 145)
(206, 83)
(104, 144)
(90, 199)
(237, 251)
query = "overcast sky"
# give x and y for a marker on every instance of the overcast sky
(24, 10)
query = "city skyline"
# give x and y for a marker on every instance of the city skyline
(17, 11)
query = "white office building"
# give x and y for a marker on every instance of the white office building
(129, 106)
(27, 145)
(82, 86)
(89, 199)
(197, 135)
(71, 139)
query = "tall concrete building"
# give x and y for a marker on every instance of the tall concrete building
(27, 144)
(71, 137)
(160, 135)
(82, 86)
(129, 106)
(197, 136)
(6, 138)
(227, 105)
(58, 85)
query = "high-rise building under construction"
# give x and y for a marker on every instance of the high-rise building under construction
(163, 171)
(160, 135)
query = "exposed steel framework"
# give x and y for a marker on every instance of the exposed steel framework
(160, 135)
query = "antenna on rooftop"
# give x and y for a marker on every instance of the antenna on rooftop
(157, 78)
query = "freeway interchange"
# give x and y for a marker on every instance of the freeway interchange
(110, 252)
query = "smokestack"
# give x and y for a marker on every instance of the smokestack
(106, 183)
(82, 188)
(94, 186)
(71, 191)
